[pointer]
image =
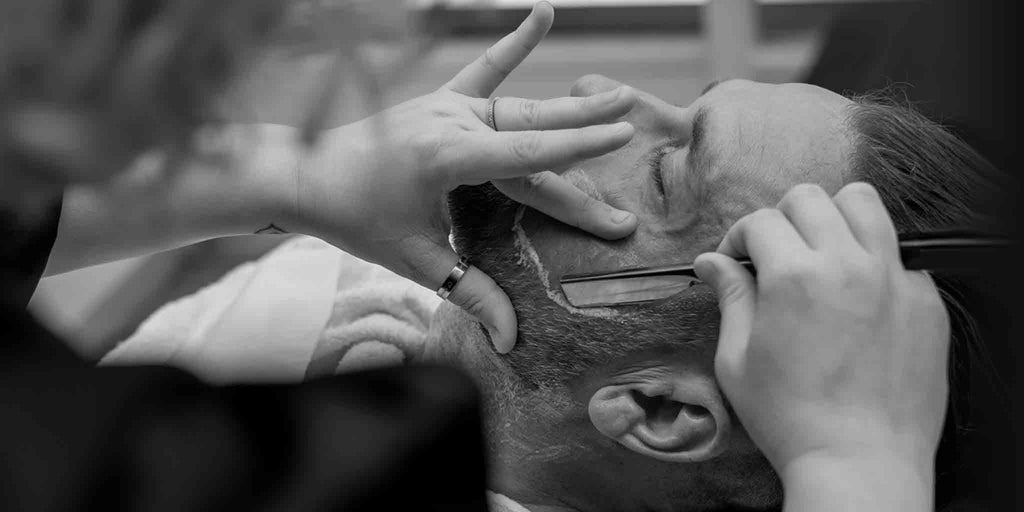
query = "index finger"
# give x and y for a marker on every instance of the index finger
(481, 77)
(766, 236)
(556, 197)
(485, 156)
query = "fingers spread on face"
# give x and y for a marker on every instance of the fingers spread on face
(482, 76)
(811, 211)
(555, 196)
(485, 156)
(766, 237)
(589, 85)
(868, 219)
(517, 114)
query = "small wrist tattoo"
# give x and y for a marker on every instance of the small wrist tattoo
(271, 230)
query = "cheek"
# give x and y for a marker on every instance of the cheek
(563, 249)
(618, 178)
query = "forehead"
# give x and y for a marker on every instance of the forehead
(777, 132)
(765, 138)
(761, 139)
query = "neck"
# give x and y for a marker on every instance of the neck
(543, 452)
(456, 339)
(544, 474)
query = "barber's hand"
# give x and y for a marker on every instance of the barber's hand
(377, 188)
(834, 352)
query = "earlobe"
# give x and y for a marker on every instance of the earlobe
(683, 420)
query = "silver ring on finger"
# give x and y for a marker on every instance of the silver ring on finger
(456, 275)
(490, 113)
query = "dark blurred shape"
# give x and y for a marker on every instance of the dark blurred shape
(954, 60)
(87, 86)
(955, 57)
(75, 437)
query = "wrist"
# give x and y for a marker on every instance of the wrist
(862, 481)
(259, 195)
(328, 187)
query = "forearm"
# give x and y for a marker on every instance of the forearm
(855, 484)
(143, 213)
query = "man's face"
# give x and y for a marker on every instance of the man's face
(691, 172)
(688, 174)
(629, 393)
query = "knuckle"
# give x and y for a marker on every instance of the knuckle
(491, 62)
(534, 184)
(521, 39)
(801, 192)
(473, 305)
(524, 147)
(476, 304)
(586, 85)
(586, 207)
(529, 110)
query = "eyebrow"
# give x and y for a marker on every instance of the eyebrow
(699, 163)
(698, 135)
(698, 142)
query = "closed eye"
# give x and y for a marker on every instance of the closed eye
(654, 163)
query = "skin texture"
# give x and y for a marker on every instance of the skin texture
(761, 140)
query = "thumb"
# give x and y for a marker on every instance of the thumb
(479, 296)
(735, 288)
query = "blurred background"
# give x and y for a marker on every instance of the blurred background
(671, 48)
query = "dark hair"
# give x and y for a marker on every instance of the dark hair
(930, 179)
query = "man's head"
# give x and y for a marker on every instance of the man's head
(618, 407)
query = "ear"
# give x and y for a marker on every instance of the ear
(673, 417)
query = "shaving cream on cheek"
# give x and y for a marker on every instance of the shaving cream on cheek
(528, 257)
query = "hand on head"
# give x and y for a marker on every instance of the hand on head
(834, 351)
(384, 198)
